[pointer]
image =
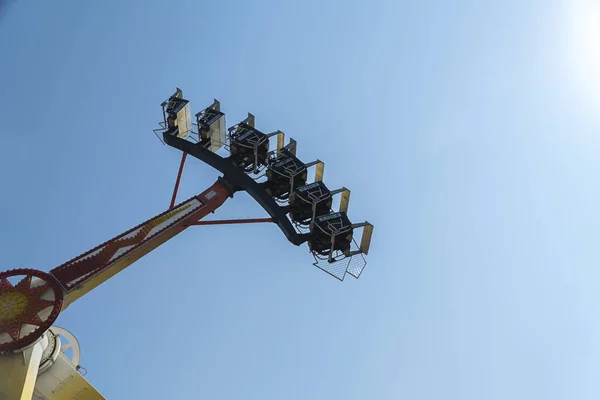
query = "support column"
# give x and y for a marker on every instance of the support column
(18, 372)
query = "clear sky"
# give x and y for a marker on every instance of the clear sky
(468, 132)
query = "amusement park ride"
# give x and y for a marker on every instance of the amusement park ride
(41, 361)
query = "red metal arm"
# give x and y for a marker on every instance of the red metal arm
(176, 188)
(234, 221)
(87, 271)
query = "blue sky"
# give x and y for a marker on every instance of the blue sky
(468, 132)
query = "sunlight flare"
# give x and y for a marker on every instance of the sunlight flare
(585, 47)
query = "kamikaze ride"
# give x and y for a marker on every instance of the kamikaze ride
(41, 361)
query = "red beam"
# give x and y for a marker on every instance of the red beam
(90, 269)
(178, 180)
(234, 221)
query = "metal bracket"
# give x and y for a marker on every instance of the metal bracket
(345, 201)
(365, 241)
(291, 146)
(250, 120)
(280, 139)
(320, 167)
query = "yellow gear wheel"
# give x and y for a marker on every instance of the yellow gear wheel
(12, 305)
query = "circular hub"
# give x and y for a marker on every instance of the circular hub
(30, 302)
(12, 305)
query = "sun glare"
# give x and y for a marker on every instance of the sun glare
(585, 47)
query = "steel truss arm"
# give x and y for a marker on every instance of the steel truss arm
(87, 271)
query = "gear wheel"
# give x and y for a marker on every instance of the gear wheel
(28, 308)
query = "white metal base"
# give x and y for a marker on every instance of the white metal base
(46, 371)
(18, 372)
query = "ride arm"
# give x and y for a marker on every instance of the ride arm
(239, 181)
(84, 273)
